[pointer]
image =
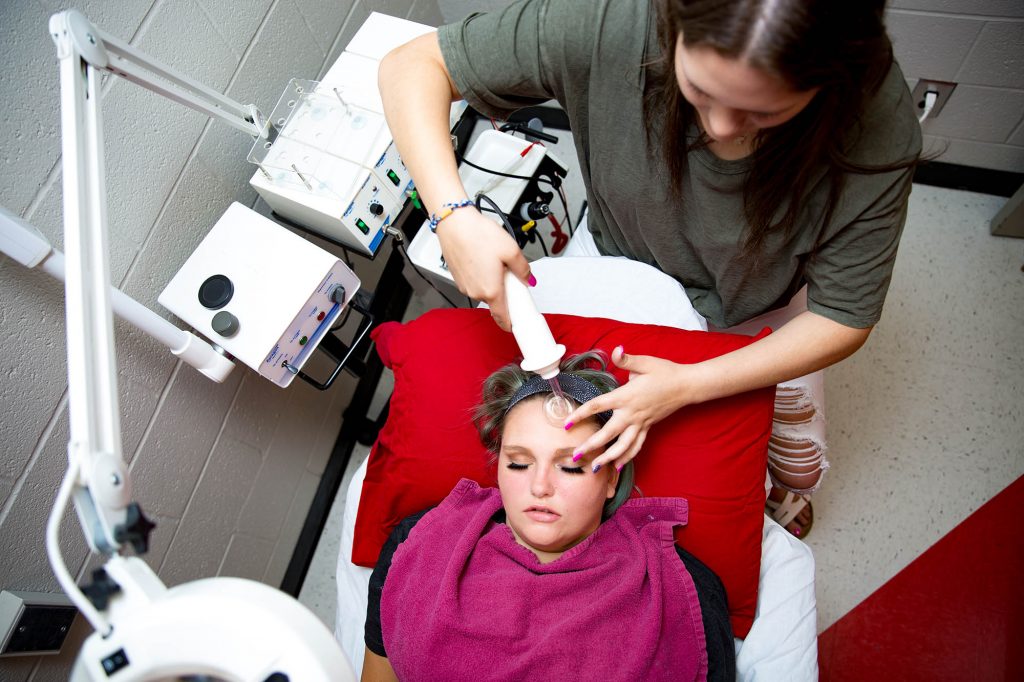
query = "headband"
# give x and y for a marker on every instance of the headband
(573, 387)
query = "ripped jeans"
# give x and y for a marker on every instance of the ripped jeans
(797, 446)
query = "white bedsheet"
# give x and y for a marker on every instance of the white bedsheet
(782, 644)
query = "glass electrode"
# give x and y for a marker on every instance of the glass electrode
(556, 406)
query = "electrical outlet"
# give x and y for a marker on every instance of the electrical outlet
(923, 87)
(34, 623)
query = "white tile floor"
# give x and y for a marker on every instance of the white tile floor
(925, 421)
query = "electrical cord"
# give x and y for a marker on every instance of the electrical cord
(583, 213)
(497, 211)
(565, 205)
(547, 181)
(463, 159)
(543, 246)
(344, 320)
(405, 254)
(557, 187)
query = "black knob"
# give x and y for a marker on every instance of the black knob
(216, 292)
(375, 208)
(225, 324)
(101, 589)
(135, 529)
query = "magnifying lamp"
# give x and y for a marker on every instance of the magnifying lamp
(227, 628)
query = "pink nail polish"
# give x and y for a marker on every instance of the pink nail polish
(796, 532)
(576, 456)
(532, 280)
(619, 467)
(568, 425)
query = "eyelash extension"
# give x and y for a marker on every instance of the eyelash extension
(520, 467)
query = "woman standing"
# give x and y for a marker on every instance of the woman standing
(758, 151)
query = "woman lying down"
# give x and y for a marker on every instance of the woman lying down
(554, 575)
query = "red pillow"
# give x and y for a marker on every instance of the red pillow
(713, 454)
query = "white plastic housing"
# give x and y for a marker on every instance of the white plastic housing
(497, 151)
(540, 352)
(374, 175)
(281, 297)
(227, 628)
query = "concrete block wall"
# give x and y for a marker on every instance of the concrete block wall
(227, 470)
(978, 44)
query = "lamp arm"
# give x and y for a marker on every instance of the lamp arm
(22, 242)
(93, 404)
(109, 53)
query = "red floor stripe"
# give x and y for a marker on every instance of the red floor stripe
(955, 613)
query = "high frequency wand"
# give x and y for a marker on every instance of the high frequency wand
(541, 354)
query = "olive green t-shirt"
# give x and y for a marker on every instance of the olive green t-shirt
(588, 55)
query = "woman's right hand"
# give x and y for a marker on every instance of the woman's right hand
(477, 251)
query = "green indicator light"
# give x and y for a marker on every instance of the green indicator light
(303, 340)
(393, 177)
(362, 226)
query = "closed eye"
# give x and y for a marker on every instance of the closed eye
(572, 470)
(517, 467)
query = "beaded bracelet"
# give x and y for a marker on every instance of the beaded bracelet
(447, 210)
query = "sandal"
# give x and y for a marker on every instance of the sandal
(786, 511)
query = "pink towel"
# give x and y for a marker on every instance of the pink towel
(464, 601)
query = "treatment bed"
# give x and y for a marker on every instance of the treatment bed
(782, 642)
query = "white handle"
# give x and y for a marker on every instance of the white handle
(540, 352)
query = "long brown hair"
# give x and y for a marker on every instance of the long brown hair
(840, 47)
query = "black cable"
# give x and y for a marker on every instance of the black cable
(401, 248)
(347, 258)
(497, 211)
(558, 188)
(540, 238)
(582, 213)
(565, 205)
(463, 159)
(344, 319)
(540, 178)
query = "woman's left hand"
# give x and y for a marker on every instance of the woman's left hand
(656, 388)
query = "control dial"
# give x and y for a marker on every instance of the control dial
(225, 324)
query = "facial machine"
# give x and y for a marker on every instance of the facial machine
(517, 196)
(264, 294)
(333, 167)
